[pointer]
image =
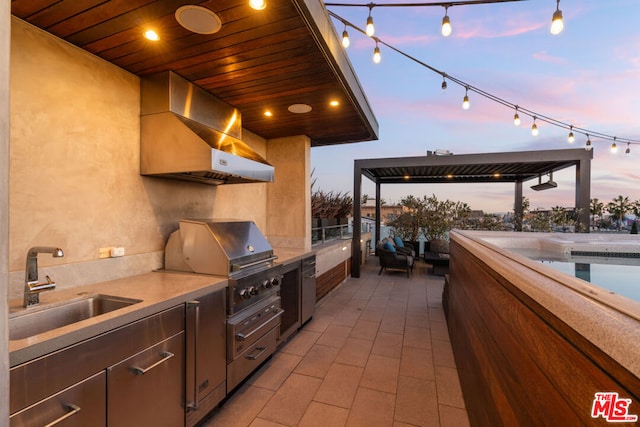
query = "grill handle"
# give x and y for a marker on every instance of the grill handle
(238, 267)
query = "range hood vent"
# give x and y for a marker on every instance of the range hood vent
(188, 134)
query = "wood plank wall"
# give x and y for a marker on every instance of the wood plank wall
(520, 365)
(332, 278)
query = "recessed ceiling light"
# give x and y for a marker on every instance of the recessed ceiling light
(198, 19)
(151, 35)
(299, 108)
(268, 113)
(334, 103)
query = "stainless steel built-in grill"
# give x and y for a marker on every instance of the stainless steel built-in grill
(240, 252)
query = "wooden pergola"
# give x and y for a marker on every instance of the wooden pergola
(516, 167)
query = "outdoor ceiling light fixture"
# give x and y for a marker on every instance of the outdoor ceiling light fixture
(465, 100)
(545, 185)
(258, 4)
(446, 23)
(369, 29)
(556, 21)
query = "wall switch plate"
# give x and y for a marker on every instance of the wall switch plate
(117, 252)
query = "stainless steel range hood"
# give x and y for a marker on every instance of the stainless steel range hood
(188, 134)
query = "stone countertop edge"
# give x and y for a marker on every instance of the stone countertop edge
(158, 291)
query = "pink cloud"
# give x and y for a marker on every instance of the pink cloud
(546, 57)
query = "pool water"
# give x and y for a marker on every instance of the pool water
(621, 279)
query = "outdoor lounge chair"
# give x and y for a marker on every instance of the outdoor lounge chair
(394, 260)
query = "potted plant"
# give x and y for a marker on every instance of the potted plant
(407, 225)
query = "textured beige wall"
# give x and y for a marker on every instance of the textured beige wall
(289, 198)
(4, 208)
(74, 169)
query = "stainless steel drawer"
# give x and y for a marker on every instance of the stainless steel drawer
(147, 389)
(81, 405)
(251, 358)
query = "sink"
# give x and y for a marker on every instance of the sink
(36, 320)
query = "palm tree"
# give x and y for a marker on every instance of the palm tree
(619, 207)
(597, 209)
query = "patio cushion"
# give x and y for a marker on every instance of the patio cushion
(389, 246)
(398, 241)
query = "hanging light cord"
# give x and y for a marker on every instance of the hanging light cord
(540, 117)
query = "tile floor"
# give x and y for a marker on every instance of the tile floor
(376, 353)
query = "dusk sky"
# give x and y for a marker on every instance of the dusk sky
(588, 76)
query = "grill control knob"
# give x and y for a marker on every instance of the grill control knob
(267, 284)
(275, 281)
(252, 290)
(244, 294)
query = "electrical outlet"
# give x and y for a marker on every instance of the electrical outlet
(104, 252)
(117, 252)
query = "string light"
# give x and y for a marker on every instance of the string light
(571, 138)
(369, 29)
(465, 101)
(519, 110)
(376, 54)
(614, 147)
(556, 21)
(588, 146)
(446, 23)
(345, 37)
(627, 152)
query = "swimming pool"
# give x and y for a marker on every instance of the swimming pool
(617, 272)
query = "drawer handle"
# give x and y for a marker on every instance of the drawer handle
(73, 409)
(242, 337)
(141, 371)
(260, 349)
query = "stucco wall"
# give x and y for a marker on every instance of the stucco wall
(74, 168)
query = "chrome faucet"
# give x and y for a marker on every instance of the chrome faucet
(32, 288)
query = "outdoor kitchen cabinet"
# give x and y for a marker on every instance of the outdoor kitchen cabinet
(119, 378)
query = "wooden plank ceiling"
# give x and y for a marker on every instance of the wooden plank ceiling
(258, 61)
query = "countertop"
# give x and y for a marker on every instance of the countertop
(157, 291)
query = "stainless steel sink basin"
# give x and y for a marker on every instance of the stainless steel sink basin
(34, 321)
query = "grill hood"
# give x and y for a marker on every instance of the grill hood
(188, 134)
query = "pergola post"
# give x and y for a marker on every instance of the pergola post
(518, 209)
(356, 258)
(583, 194)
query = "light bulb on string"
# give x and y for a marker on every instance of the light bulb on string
(627, 152)
(571, 138)
(369, 29)
(446, 23)
(587, 145)
(614, 147)
(465, 100)
(345, 38)
(444, 83)
(376, 54)
(556, 21)
(516, 118)
(534, 127)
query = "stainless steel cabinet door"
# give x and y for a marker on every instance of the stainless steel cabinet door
(147, 388)
(83, 404)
